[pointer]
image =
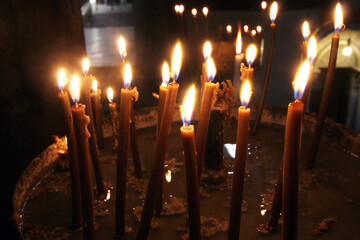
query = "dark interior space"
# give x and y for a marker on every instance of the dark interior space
(38, 38)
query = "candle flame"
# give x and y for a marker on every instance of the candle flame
(338, 18)
(246, 93)
(187, 108)
(205, 11)
(251, 54)
(253, 32)
(127, 76)
(122, 47)
(108, 196)
(207, 50)
(263, 5)
(75, 88)
(273, 11)
(229, 28)
(176, 61)
(210, 69)
(181, 9)
(94, 85)
(194, 12)
(306, 30)
(85, 66)
(61, 79)
(311, 51)
(246, 28)
(301, 78)
(239, 42)
(176, 8)
(259, 28)
(168, 176)
(165, 74)
(110, 94)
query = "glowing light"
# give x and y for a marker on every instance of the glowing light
(108, 196)
(246, 28)
(122, 47)
(273, 11)
(251, 54)
(176, 61)
(311, 52)
(94, 85)
(181, 9)
(231, 149)
(229, 28)
(338, 25)
(262, 212)
(263, 5)
(253, 32)
(245, 93)
(207, 50)
(347, 51)
(61, 79)
(306, 30)
(127, 76)
(301, 78)
(176, 8)
(238, 43)
(186, 108)
(258, 29)
(85, 66)
(165, 74)
(205, 11)
(75, 88)
(110, 94)
(168, 176)
(210, 69)
(194, 12)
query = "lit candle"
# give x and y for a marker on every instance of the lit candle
(192, 184)
(73, 156)
(238, 59)
(246, 28)
(114, 116)
(207, 53)
(273, 13)
(162, 96)
(263, 5)
(194, 14)
(81, 122)
(327, 88)
(247, 73)
(306, 34)
(133, 138)
(85, 93)
(293, 130)
(127, 95)
(161, 146)
(311, 53)
(239, 162)
(205, 11)
(207, 102)
(96, 102)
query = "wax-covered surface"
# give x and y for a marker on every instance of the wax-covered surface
(328, 192)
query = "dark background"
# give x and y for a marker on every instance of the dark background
(37, 36)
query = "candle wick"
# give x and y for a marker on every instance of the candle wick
(76, 105)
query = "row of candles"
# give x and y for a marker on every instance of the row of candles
(80, 128)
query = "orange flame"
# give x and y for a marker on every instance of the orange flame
(94, 85)
(85, 66)
(205, 11)
(75, 88)
(207, 50)
(263, 5)
(61, 79)
(239, 42)
(301, 78)
(176, 61)
(251, 54)
(165, 74)
(194, 12)
(122, 47)
(338, 24)
(246, 28)
(311, 52)
(306, 30)
(258, 29)
(181, 9)
(127, 76)
(210, 69)
(168, 176)
(245, 94)
(110, 94)
(273, 11)
(186, 108)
